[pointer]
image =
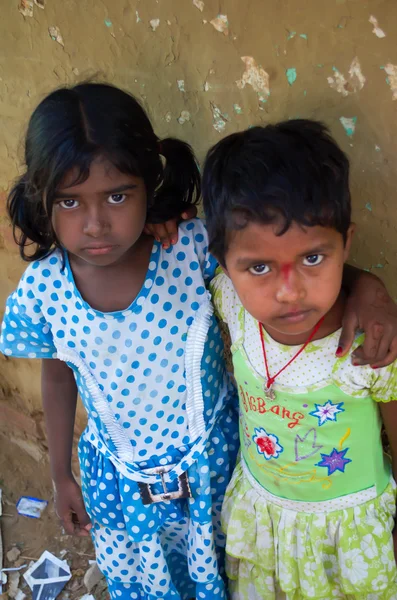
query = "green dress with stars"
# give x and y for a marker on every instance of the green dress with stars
(310, 509)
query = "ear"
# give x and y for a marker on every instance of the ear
(348, 243)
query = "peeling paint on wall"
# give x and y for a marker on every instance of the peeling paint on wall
(108, 22)
(154, 23)
(349, 125)
(368, 206)
(199, 4)
(291, 75)
(254, 76)
(391, 71)
(181, 85)
(219, 118)
(26, 8)
(237, 109)
(138, 18)
(39, 3)
(353, 84)
(221, 24)
(184, 117)
(55, 35)
(376, 30)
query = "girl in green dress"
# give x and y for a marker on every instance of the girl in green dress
(309, 513)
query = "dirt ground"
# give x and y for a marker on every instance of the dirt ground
(21, 475)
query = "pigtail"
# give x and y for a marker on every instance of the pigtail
(31, 225)
(180, 187)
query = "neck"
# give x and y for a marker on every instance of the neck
(332, 322)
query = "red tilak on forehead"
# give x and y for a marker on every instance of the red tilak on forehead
(286, 270)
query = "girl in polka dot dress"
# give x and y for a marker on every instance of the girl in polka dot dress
(127, 324)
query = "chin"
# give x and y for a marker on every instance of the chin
(298, 329)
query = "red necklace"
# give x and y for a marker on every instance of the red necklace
(269, 393)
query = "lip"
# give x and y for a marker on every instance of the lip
(295, 316)
(99, 250)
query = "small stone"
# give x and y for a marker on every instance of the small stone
(92, 577)
(13, 554)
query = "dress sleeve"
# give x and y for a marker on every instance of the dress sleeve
(196, 229)
(384, 384)
(228, 307)
(25, 332)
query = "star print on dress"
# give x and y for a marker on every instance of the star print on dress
(327, 412)
(335, 461)
(267, 443)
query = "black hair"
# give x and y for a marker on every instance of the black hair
(71, 127)
(290, 172)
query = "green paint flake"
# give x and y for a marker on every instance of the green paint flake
(305, 93)
(320, 66)
(303, 36)
(108, 23)
(368, 206)
(237, 109)
(291, 75)
(291, 35)
(349, 125)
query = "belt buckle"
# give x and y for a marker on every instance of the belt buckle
(183, 491)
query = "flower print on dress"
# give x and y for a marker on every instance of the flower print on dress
(335, 461)
(267, 443)
(327, 412)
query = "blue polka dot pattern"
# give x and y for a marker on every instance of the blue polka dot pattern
(136, 358)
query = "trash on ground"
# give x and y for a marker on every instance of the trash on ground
(13, 554)
(13, 584)
(47, 577)
(31, 507)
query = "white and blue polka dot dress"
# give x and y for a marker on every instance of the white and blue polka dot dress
(153, 382)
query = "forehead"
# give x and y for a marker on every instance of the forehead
(258, 240)
(102, 175)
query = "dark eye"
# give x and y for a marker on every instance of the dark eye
(116, 198)
(313, 260)
(69, 203)
(259, 270)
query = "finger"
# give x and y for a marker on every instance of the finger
(172, 230)
(81, 516)
(346, 339)
(150, 229)
(390, 357)
(189, 213)
(67, 522)
(162, 235)
(370, 347)
(383, 351)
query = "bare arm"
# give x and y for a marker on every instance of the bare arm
(59, 400)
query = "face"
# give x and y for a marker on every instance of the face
(287, 282)
(99, 220)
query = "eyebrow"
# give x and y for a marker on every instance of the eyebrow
(249, 261)
(118, 190)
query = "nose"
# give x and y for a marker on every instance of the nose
(289, 287)
(95, 222)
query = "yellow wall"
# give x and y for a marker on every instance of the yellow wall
(121, 41)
